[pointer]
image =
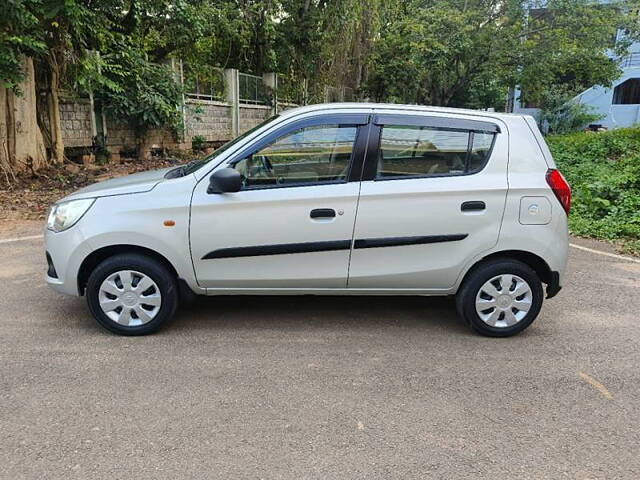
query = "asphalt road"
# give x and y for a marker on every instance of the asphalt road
(323, 388)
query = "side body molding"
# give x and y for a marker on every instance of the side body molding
(308, 247)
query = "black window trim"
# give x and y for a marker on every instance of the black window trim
(437, 122)
(467, 159)
(358, 120)
(370, 170)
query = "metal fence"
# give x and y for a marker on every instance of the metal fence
(204, 83)
(252, 89)
(209, 83)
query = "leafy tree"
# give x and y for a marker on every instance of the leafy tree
(133, 39)
(142, 93)
(20, 36)
(56, 35)
(442, 52)
(66, 27)
(162, 27)
(419, 59)
(497, 43)
(134, 83)
(235, 34)
(565, 47)
(328, 43)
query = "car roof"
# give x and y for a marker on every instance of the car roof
(397, 107)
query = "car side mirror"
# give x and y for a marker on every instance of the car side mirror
(226, 180)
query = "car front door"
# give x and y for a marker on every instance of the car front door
(432, 197)
(291, 224)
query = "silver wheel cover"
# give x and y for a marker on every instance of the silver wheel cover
(129, 298)
(504, 301)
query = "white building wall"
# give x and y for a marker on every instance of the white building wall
(601, 99)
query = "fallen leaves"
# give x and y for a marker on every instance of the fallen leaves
(29, 197)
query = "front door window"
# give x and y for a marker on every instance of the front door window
(311, 155)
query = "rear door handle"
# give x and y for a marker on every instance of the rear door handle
(475, 205)
(323, 213)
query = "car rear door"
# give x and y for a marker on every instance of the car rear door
(432, 198)
(291, 224)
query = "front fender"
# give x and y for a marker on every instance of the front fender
(156, 220)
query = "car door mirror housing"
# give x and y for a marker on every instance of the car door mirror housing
(226, 180)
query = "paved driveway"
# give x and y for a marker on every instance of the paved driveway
(326, 387)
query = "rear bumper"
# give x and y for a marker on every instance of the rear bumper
(553, 287)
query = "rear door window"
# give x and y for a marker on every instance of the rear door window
(421, 151)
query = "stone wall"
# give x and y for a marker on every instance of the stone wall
(119, 136)
(208, 119)
(75, 119)
(252, 115)
(213, 120)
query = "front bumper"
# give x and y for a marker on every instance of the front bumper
(66, 251)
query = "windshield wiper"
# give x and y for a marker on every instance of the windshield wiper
(192, 163)
(180, 171)
(175, 172)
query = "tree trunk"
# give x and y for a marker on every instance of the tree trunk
(143, 148)
(55, 127)
(21, 143)
(6, 168)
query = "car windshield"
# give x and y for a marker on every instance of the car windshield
(198, 164)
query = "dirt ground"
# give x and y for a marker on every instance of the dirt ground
(29, 196)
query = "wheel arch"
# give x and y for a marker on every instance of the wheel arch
(537, 263)
(97, 256)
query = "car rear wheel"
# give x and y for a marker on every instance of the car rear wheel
(500, 298)
(131, 294)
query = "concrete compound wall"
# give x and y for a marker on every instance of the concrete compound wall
(215, 121)
(211, 120)
(252, 115)
(76, 122)
(208, 119)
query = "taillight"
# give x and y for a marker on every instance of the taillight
(560, 187)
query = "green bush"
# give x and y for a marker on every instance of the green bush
(198, 143)
(560, 114)
(603, 170)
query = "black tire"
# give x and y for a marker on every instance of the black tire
(155, 270)
(482, 273)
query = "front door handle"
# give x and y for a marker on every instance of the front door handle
(475, 205)
(323, 213)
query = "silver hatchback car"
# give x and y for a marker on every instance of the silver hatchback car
(339, 199)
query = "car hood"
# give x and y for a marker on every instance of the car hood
(135, 183)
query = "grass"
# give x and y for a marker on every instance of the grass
(603, 170)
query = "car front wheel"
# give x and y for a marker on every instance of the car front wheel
(500, 298)
(131, 294)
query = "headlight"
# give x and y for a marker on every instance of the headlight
(65, 215)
